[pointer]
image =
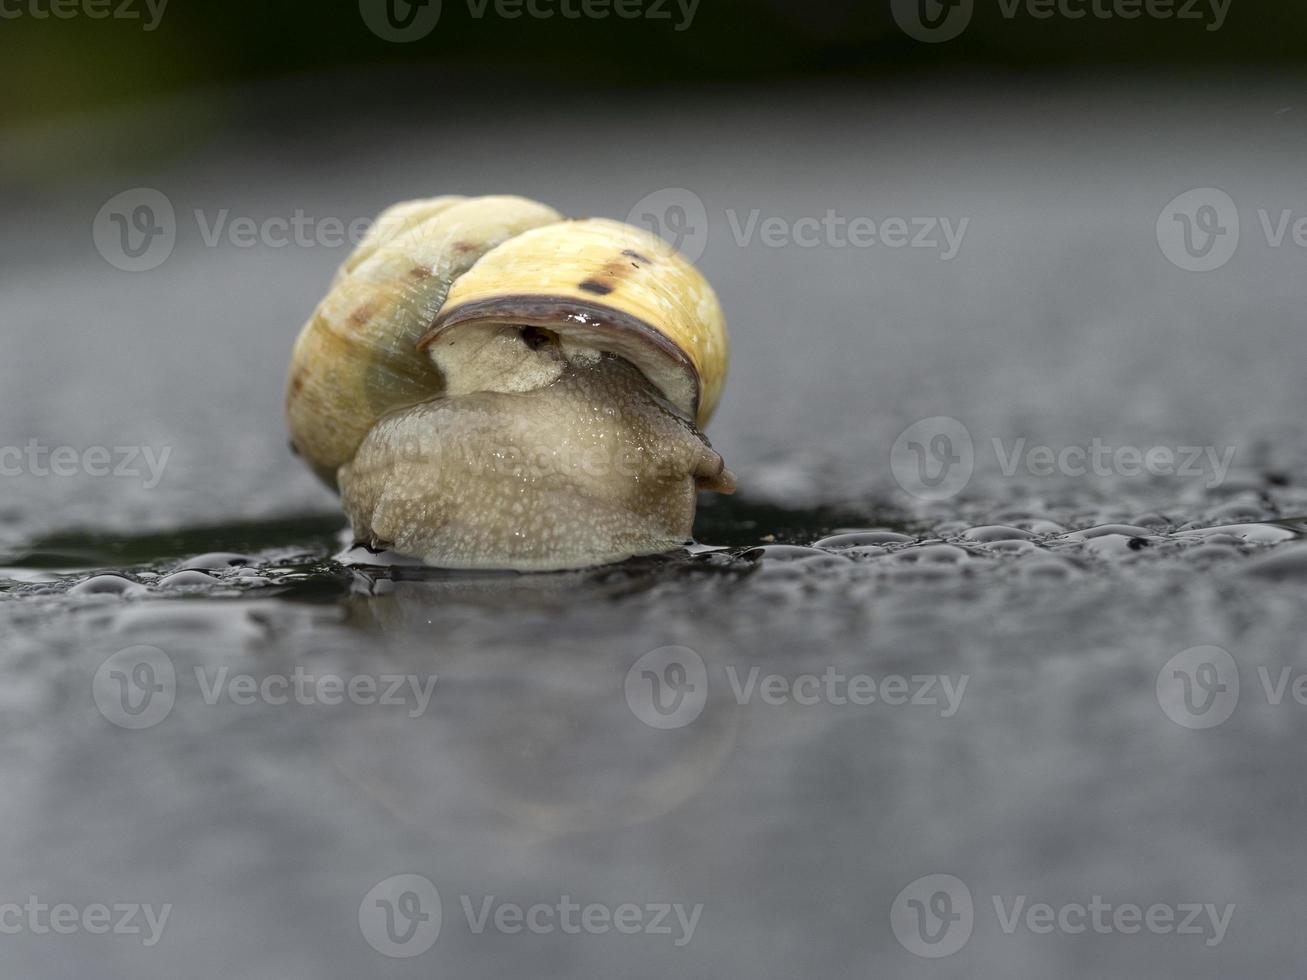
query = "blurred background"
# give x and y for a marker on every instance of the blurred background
(1111, 211)
(70, 65)
(66, 66)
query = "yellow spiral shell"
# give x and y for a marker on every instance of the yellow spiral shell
(357, 359)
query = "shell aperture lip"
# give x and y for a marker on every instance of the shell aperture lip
(605, 328)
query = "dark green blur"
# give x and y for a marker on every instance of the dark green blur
(55, 67)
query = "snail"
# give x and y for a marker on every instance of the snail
(489, 385)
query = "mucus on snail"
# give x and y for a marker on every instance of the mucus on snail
(489, 385)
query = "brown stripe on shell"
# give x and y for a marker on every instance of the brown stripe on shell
(545, 311)
(360, 317)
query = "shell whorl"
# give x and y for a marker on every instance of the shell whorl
(357, 359)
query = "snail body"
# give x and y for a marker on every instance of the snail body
(489, 385)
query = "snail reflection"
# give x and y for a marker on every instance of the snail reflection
(566, 738)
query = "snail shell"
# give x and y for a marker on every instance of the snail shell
(466, 342)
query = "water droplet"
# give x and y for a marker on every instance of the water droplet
(997, 532)
(858, 539)
(216, 560)
(783, 553)
(103, 585)
(187, 580)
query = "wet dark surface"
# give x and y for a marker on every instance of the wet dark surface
(1049, 606)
